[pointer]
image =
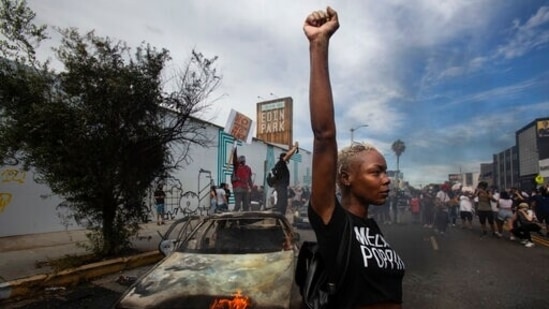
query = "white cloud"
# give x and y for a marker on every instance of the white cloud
(527, 36)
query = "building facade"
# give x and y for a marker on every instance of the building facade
(487, 173)
(532, 142)
(505, 168)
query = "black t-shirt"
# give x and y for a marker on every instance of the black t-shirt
(375, 270)
(282, 173)
(542, 204)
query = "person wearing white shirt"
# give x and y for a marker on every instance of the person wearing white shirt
(505, 213)
(466, 210)
(442, 200)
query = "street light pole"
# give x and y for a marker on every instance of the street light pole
(354, 129)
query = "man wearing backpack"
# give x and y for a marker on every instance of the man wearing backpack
(282, 175)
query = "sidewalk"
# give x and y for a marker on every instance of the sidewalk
(20, 256)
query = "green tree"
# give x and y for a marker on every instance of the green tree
(398, 148)
(98, 132)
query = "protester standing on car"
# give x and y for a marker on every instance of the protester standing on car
(159, 197)
(242, 185)
(282, 175)
(360, 171)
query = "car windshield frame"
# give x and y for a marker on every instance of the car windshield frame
(245, 234)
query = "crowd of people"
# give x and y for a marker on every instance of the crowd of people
(509, 213)
(296, 197)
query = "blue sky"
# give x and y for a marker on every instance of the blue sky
(452, 79)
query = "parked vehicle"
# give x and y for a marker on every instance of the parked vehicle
(239, 258)
(301, 217)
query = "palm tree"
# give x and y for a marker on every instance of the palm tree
(398, 148)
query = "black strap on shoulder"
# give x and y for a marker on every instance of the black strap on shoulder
(339, 272)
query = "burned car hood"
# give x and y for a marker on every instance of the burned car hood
(197, 280)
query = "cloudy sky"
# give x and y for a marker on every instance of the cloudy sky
(452, 79)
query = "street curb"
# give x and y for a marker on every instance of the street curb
(70, 277)
(540, 240)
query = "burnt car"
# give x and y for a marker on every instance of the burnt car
(227, 260)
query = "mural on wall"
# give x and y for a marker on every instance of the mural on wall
(224, 167)
(5, 200)
(10, 175)
(13, 175)
(307, 178)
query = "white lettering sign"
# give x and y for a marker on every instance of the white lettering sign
(272, 121)
(376, 250)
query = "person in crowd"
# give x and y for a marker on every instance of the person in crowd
(415, 208)
(221, 203)
(428, 207)
(273, 199)
(505, 213)
(306, 194)
(517, 197)
(256, 198)
(282, 175)
(242, 185)
(360, 172)
(525, 224)
(213, 198)
(466, 210)
(453, 206)
(386, 212)
(159, 197)
(225, 186)
(540, 203)
(442, 202)
(394, 200)
(297, 200)
(494, 203)
(484, 208)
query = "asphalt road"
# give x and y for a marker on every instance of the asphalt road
(458, 270)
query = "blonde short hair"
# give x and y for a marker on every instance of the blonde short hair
(346, 157)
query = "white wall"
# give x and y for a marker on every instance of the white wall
(26, 207)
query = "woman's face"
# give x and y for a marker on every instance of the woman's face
(368, 178)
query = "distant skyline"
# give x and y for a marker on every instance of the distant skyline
(452, 79)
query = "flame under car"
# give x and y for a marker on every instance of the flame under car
(231, 260)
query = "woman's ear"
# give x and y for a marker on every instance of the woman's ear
(345, 178)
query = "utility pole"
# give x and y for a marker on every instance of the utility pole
(354, 129)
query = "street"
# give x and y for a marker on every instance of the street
(457, 270)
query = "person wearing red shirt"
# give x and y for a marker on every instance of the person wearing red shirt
(242, 185)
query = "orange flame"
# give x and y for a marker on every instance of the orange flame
(238, 302)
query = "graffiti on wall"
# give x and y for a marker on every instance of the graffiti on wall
(10, 175)
(5, 199)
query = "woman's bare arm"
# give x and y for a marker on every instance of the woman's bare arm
(319, 27)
